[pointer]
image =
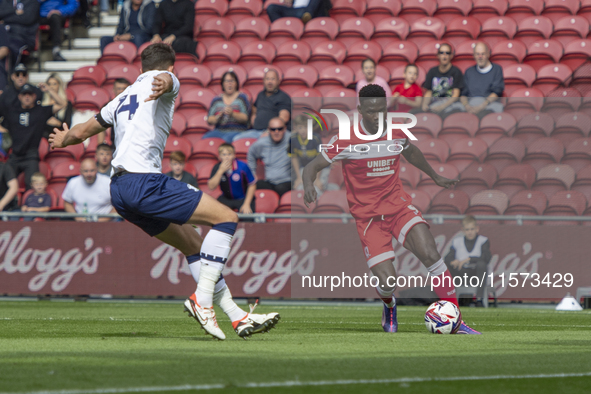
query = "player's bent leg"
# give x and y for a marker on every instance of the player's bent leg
(183, 237)
(211, 212)
(386, 274)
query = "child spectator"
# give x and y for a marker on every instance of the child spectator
(177, 166)
(302, 151)
(104, 156)
(235, 179)
(39, 200)
(408, 95)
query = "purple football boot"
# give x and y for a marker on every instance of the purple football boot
(389, 320)
(464, 329)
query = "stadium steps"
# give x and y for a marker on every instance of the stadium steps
(81, 54)
(86, 43)
(109, 20)
(70, 66)
(98, 32)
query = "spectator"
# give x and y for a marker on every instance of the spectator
(484, 84)
(118, 87)
(408, 95)
(303, 9)
(26, 125)
(54, 13)
(229, 111)
(135, 23)
(20, 22)
(177, 165)
(301, 150)
(64, 115)
(173, 25)
(470, 255)
(270, 103)
(88, 192)
(368, 66)
(39, 200)
(272, 150)
(443, 84)
(8, 188)
(235, 179)
(104, 156)
(19, 77)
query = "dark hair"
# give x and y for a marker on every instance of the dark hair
(233, 75)
(157, 57)
(122, 80)
(367, 59)
(412, 65)
(451, 49)
(371, 91)
(105, 146)
(225, 146)
(179, 156)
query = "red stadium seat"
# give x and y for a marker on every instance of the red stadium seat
(476, 178)
(335, 177)
(313, 97)
(215, 29)
(427, 55)
(354, 30)
(582, 79)
(488, 202)
(426, 29)
(198, 75)
(505, 151)
(45, 170)
(360, 51)
(449, 202)
(196, 98)
(90, 145)
(460, 29)
(534, 126)
(89, 74)
(399, 54)
(249, 29)
(562, 100)
(242, 146)
(331, 77)
(332, 201)
(446, 170)
(571, 126)
(527, 202)
(266, 201)
(196, 122)
(570, 28)
(459, 125)
(420, 199)
(428, 125)
(464, 55)
(577, 153)
(91, 99)
(542, 53)
(296, 77)
(378, 10)
(211, 8)
(127, 71)
(409, 175)
(320, 29)
(206, 149)
(243, 9)
(565, 203)
(524, 101)
(465, 151)
(52, 195)
(558, 9)
(484, 9)
(497, 29)
(254, 82)
(179, 123)
(514, 178)
(327, 53)
(285, 29)
(544, 151)
(292, 201)
(122, 50)
(433, 149)
(552, 76)
(448, 10)
(583, 182)
(413, 10)
(508, 52)
(388, 28)
(174, 143)
(257, 53)
(222, 53)
(65, 170)
(521, 9)
(496, 125)
(292, 53)
(345, 9)
(534, 28)
(518, 76)
(334, 99)
(576, 52)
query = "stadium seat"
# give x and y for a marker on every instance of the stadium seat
(206, 149)
(460, 29)
(585, 10)
(576, 52)
(116, 52)
(565, 203)
(558, 9)
(488, 202)
(515, 178)
(197, 75)
(465, 151)
(448, 10)
(52, 195)
(257, 53)
(254, 82)
(484, 9)
(266, 201)
(313, 98)
(534, 28)
(332, 201)
(399, 54)
(127, 71)
(296, 77)
(464, 55)
(583, 182)
(211, 8)
(518, 76)
(449, 202)
(249, 29)
(327, 53)
(378, 10)
(505, 151)
(292, 202)
(497, 29)
(496, 125)
(92, 99)
(240, 10)
(222, 53)
(508, 52)
(360, 51)
(420, 199)
(582, 79)
(216, 79)
(320, 29)
(336, 179)
(196, 122)
(174, 143)
(524, 101)
(343, 10)
(552, 76)
(355, 30)
(561, 101)
(196, 98)
(292, 53)
(411, 175)
(527, 202)
(428, 185)
(335, 76)
(427, 57)
(433, 149)
(340, 98)
(570, 28)
(428, 125)
(577, 153)
(389, 29)
(179, 123)
(242, 146)
(65, 170)
(553, 178)
(426, 29)
(89, 74)
(413, 10)
(396, 77)
(457, 126)
(534, 126)
(285, 29)
(542, 53)
(89, 145)
(215, 29)
(476, 178)
(571, 126)
(521, 9)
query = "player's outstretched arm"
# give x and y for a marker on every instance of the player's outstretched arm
(309, 177)
(162, 84)
(415, 157)
(75, 135)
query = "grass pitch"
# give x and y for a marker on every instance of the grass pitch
(96, 348)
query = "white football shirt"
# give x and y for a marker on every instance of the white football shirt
(142, 128)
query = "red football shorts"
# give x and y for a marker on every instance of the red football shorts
(376, 233)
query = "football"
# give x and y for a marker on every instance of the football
(443, 317)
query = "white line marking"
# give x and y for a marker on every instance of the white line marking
(292, 383)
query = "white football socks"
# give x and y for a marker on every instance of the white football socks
(223, 298)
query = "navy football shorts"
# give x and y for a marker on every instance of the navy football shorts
(153, 201)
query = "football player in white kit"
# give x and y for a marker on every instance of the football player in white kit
(162, 206)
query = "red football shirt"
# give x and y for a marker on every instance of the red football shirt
(370, 169)
(413, 91)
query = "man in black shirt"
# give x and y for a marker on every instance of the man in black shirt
(173, 25)
(8, 188)
(19, 77)
(26, 123)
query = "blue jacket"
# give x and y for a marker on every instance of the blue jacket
(67, 7)
(145, 17)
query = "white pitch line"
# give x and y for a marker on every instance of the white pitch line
(297, 383)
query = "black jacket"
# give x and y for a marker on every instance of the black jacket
(24, 26)
(174, 17)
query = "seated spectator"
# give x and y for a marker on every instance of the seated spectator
(26, 124)
(119, 87)
(54, 13)
(229, 111)
(8, 188)
(270, 103)
(18, 30)
(177, 165)
(368, 66)
(301, 150)
(443, 84)
(484, 84)
(64, 115)
(104, 156)
(135, 23)
(173, 25)
(39, 200)
(303, 9)
(19, 77)
(408, 95)
(272, 150)
(88, 192)
(235, 179)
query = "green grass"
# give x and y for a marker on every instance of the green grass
(86, 346)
